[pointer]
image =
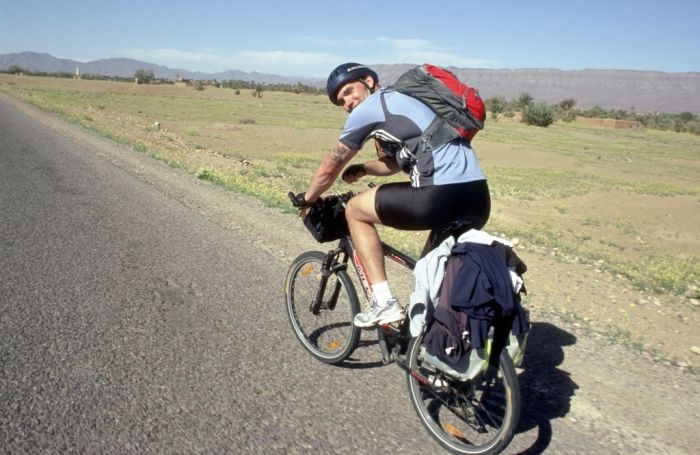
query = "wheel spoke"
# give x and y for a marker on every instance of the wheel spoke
(476, 417)
(329, 334)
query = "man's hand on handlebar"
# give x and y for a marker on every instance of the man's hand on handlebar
(299, 201)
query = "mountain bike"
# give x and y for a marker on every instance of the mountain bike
(469, 409)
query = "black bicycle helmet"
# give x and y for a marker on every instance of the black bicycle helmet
(347, 72)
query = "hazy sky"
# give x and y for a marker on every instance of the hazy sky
(307, 38)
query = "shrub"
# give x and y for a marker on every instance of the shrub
(143, 76)
(523, 101)
(538, 114)
(496, 105)
(14, 69)
(566, 109)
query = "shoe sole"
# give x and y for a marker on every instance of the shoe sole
(362, 325)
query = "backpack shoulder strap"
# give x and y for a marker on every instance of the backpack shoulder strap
(383, 101)
(437, 133)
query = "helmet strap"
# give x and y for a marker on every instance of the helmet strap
(371, 89)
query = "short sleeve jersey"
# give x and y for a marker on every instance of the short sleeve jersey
(406, 118)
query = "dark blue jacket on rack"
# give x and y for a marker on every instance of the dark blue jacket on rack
(478, 282)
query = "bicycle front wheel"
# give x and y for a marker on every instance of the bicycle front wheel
(327, 333)
(470, 417)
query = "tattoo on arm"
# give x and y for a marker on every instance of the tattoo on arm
(340, 153)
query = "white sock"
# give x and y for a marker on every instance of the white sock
(382, 293)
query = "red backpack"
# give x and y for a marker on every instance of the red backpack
(456, 104)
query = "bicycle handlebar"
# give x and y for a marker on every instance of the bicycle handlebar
(297, 199)
(299, 202)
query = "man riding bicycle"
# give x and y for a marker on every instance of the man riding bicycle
(447, 183)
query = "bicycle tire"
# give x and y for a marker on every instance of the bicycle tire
(466, 417)
(330, 336)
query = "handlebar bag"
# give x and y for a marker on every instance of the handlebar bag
(326, 220)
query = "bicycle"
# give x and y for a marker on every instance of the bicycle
(473, 409)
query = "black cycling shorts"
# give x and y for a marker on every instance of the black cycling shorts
(403, 206)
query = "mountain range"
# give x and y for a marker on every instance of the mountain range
(641, 91)
(125, 67)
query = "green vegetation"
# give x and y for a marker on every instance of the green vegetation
(147, 77)
(565, 109)
(14, 69)
(622, 201)
(496, 105)
(258, 87)
(142, 76)
(538, 114)
(523, 101)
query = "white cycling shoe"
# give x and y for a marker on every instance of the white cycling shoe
(379, 315)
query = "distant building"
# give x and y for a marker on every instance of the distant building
(610, 123)
(180, 82)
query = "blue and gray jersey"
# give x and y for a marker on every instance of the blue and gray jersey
(407, 118)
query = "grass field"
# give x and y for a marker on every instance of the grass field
(623, 201)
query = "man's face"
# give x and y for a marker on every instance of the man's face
(353, 93)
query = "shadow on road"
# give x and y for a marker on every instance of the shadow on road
(546, 390)
(366, 356)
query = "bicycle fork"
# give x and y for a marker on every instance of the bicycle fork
(329, 267)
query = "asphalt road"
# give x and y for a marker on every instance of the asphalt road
(135, 319)
(130, 323)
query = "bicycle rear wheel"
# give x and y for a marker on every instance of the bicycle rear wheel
(471, 417)
(330, 335)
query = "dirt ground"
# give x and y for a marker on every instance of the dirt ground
(581, 378)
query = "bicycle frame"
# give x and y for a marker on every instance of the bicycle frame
(337, 259)
(448, 399)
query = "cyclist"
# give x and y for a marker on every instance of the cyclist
(447, 183)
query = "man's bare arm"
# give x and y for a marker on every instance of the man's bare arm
(382, 167)
(328, 170)
(341, 154)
